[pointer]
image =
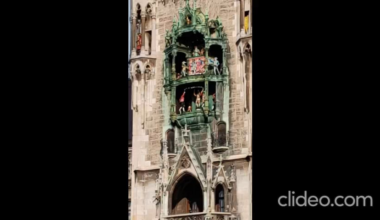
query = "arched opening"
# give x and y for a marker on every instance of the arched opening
(170, 141)
(179, 59)
(138, 72)
(147, 72)
(192, 40)
(189, 97)
(222, 136)
(187, 196)
(216, 51)
(219, 199)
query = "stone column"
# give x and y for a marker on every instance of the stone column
(173, 66)
(237, 10)
(143, 15)
(153, 44)
(133, 34)
(173, 101)
(166, 71)
(206, 97)
(224, 61)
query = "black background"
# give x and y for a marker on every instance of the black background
(315, 110)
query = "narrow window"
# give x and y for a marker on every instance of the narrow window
(219, 200)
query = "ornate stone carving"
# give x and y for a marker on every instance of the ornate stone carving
(185, 162)
(219, 217)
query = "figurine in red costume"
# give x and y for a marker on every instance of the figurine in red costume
(182, 103)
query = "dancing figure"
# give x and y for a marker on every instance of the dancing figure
(184, 68)
(182, 103)
(215, 64)
(198, 98)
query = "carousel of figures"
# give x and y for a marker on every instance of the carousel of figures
(184, 69)
(215, 64)
(182, 103)
(198, 98)
(197, 65)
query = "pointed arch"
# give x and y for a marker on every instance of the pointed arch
(186, 195)
(220, 198)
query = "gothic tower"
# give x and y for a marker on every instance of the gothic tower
(191, 83)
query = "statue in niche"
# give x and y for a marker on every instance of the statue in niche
(215, 64)
(182, 103)
(168, 39)
(198, 98)
(184, 69)
(148, 71)
(196, 51)
(248, 49)
(188, 20)
(138, 71)
(219, 27)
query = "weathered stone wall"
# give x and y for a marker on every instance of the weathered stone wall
(144, 191)
(199, 138)
(243, 195)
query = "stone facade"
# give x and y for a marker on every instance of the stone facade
(153, 115)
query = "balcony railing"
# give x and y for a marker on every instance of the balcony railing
(201, 216)
(188, 216)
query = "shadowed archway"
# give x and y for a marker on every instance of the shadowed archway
(187, 196)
